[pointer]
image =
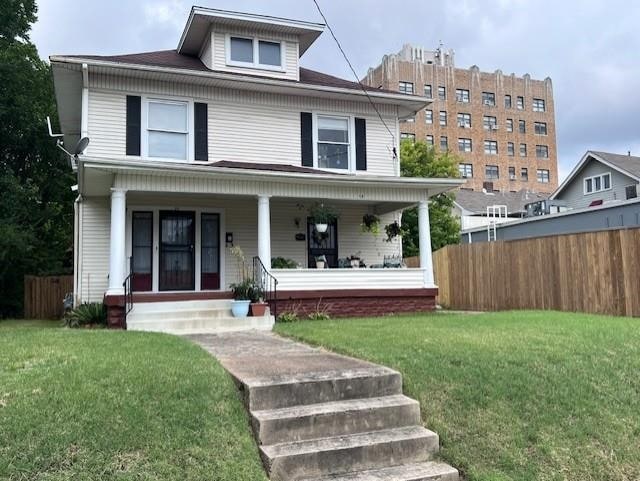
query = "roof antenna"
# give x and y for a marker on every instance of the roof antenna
(78, 150)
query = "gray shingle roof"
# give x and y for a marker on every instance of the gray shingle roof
(477, 202)
(628, 163)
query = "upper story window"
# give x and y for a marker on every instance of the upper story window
(489, 98)
(462, 95)
(507, 101)
(466, 170)
(333, 142)
(408, 136)
(252, 52)
(490, 147)
(522, 126)
(428, 116)
(509, 125)
(512, 173)
(542, 151)
(444, 143)
(511, 149)
(523, 150)
(405, 87)
(428, 139)
(464, 120)
(464, 145)
(167, 129)
(524, 174)
(597, 183)
(543, 176)
(490, 123)
(538, 105)
(491, 172)
(443, 117)
(540, 128)
(520, 102)
(442, 93)
(428, 92)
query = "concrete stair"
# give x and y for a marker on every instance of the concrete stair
(192, 317)
(429, 471)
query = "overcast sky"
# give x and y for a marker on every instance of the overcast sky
(590, 48)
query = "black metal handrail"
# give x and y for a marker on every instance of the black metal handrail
(128, 291)
(267, 284)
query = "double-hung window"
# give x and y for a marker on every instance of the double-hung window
(464, 120)
(466, 170)
(489, 98)
(464, 145)
(462, 95)
(252, 52)
(333, 142)
(542, 151)
(540, 128)
(539, 105)
(405, 87)
(543, 176)
(490, 147)
(167, 129)
(428, 116)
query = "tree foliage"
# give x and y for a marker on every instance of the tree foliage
(417, 159)
(36, 215)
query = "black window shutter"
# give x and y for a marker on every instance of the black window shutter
(306, 137)
(134, 124)
(201, 131)
(361, 144)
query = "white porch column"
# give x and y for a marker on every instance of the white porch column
(117, 256)
(264, 231)
(424, 232)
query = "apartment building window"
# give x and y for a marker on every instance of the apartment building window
(408, 136)
(442, 93)
(466, 171)
(542, 151)
(491, 172)
(490, 147)
(428, 91)
(464, 145)
(540, 128)
(428, 116)
(489, 98)
(464, 120)
(523, 150)
(429, 140)
(511, 149)
(408, 119)
(524, 174)
(512, 173)
(444, 143)
(489, 123)
(520, 102)
(539, 105)
(405, 87)
(167, 129)
(522, 126)
(462, 95)
(443, 117)
(333, 142)
(507, 101)
(597, 183)
(509, 124)
(543, 176)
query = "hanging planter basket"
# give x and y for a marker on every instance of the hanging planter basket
(321, 228)
(322, 215)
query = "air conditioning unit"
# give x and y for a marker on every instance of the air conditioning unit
(488, 102)
(512, 177)
(494, 127)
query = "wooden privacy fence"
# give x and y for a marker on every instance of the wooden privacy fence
(596, 272)
(43, 296)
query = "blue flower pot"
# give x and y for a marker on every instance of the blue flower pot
(240, 308)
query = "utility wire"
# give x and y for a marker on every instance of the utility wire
(393, 137)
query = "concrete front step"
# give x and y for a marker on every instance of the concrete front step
(347, 454)
(299, 423)
(172, 306)
(211, 325)
(179, 314)
(322, 387)
(429, 471)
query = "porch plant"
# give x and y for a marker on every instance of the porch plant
(242, 289)
(258, 306)
(394, 230)
(321, 262)
(370, 223)
(322, 215)
(354, 259)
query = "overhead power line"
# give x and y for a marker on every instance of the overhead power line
(355, 75)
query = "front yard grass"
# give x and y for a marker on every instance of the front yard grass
(107, 405)
(514, 395)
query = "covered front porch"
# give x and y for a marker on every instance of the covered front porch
(173, 233)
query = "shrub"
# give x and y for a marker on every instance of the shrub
(288, 317)
(319, 316)
(91, 314)
(283, 263)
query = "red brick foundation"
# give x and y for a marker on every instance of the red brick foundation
(115, 312)
(357, 302)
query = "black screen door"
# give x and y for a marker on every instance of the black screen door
(325, 244)
(177, 251)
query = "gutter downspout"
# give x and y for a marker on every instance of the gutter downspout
(84, 122)
(77, 228)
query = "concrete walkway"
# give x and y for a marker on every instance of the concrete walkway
(321, 416)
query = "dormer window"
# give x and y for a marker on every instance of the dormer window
(254, 53)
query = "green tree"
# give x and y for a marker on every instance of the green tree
(36, 217)
(417, 159)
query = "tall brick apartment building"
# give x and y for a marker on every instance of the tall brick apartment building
(502, 126)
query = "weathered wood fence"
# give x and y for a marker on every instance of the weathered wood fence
(595, 272)
(43, 296)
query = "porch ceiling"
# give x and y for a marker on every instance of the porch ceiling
(97, 176)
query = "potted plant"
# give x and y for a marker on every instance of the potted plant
(321, 262)
(322, 215)
(258, 306)
(394, 230)
(354, 259)
(370, 223)
(242, 289)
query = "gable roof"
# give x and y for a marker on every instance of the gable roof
(626, 164)
(477, 202)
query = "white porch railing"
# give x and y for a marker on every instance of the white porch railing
(321, 279)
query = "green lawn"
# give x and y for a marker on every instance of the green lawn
(108, 405)
(515, 395)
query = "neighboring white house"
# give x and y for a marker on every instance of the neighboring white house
(227, 141)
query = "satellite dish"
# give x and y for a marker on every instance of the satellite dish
(81, 146)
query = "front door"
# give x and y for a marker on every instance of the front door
(177, 251)
(325, 244)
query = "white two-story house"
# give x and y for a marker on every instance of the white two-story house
(226, 141)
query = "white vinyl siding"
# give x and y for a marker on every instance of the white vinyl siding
(243, 126)
(93, 275)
